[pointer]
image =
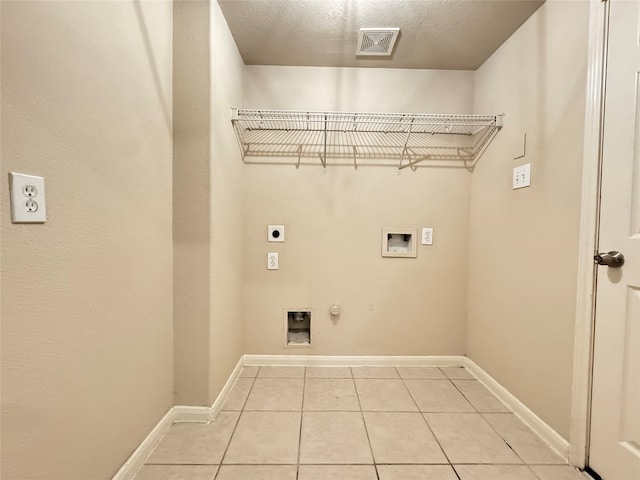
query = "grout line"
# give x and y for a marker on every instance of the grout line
(235, 427)
(304, 385)
(430, 429)
(535, 475)
(366, 431)
(464, 396)
(504, 439)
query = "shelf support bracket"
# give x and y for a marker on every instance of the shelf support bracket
(324, 156)
(406, 142)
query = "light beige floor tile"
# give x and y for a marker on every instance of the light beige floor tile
(481, 398)
(334, 438)
(468, 438)
(249, 372)
(337, 472)
(238, 394)
(177, 472)
(384, 396)
(195, 443)
(548, 472)
(431, 373)
(265, 438)
(374, 372)
(257, 472)
(330, 394)
(438, 396)
(281, 372)
(457, 373)
(328, 372)
(522, 440)
(416, 472)
(402, 438)
(276, 394)
(494, 472)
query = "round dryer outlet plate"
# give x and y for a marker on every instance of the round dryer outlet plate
(275, 233)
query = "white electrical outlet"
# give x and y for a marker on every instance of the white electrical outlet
(522, 176)
(272, 261)
(275, 233)
(427, 236)
(28, 203)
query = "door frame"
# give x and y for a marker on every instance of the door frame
(588, 239)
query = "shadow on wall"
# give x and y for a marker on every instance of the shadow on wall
(144, 32)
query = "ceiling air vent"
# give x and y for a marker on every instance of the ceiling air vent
(377, 41)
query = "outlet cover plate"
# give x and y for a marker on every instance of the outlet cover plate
(522, 176)
(427, 236)
(28, 204)
(275, 233)
(272, 261)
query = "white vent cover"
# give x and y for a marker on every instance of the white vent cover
(377, 41)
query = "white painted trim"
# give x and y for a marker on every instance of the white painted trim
(353, 361)
(224, 393)
(533, 421)
(190, 414)
(176, 414)
(591, 165)
(140, 454)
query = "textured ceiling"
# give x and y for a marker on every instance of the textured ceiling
(437, 34)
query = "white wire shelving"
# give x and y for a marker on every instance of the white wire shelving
(405, 140)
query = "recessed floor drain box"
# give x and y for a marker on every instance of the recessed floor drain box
(297, 328)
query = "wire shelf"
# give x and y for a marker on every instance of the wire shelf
(338, 138)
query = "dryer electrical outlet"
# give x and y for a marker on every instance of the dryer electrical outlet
(275, 233)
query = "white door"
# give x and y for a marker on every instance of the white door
(614, 451)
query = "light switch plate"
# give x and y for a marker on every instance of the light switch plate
(522, 176)
(427, 236)
(28, 203)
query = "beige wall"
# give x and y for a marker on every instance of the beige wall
(225, 334)
(191, 187)
(523, 243)
(333, 224)
(87, 297)
(208, 203)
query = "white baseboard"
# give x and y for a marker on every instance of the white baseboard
(353, 360)
(189, 414)
(224, 393)
(552, 438)
(140, 454)
(176, 414)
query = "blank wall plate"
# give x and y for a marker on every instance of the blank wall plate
(427, 236)
(522, 176)
(28, 203)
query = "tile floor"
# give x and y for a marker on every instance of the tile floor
(360, 423)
